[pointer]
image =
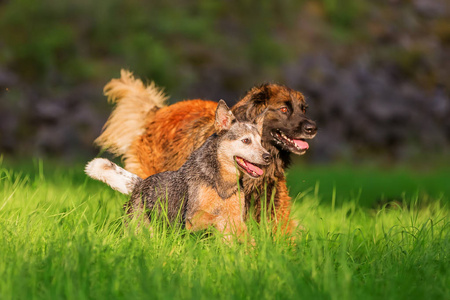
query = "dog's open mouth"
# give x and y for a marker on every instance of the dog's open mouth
(295, 145)
(248, 167)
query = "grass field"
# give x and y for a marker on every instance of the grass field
(371, 234)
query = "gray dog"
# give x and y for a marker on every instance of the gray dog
(204, 191)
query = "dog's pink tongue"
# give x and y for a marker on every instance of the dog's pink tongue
(254, 169)
(301, 144)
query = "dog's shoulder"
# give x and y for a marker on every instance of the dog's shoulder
(204, 197)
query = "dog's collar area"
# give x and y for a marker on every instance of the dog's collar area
(249, 168)
(294, 145)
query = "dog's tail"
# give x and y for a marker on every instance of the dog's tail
(134, 101)
(116, 177)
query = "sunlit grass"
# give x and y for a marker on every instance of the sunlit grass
(63, 236)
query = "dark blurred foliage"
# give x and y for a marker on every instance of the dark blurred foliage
(376, 73)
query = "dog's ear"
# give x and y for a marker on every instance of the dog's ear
(259, 121)
(224, 117)
(255, 102)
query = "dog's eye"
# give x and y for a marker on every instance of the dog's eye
(304, 107)
(247, 141)
(284, 110)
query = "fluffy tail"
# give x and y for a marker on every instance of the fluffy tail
(127, 121)
(113, 175)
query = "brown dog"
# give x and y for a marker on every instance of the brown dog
(141, 125)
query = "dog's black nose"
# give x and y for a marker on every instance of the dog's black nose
(266, 157)
(309, 127)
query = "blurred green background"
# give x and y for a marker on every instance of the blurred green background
(376, 74)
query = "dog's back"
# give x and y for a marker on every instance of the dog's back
(163, 194)
(151, 193)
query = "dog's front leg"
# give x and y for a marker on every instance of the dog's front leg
(281, 215)
(230, 221)
(231, 228)
(201, 220)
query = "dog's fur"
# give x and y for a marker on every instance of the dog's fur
(204, 191)
(165, 138)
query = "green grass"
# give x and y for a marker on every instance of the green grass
(62, 237)
(371, 185)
